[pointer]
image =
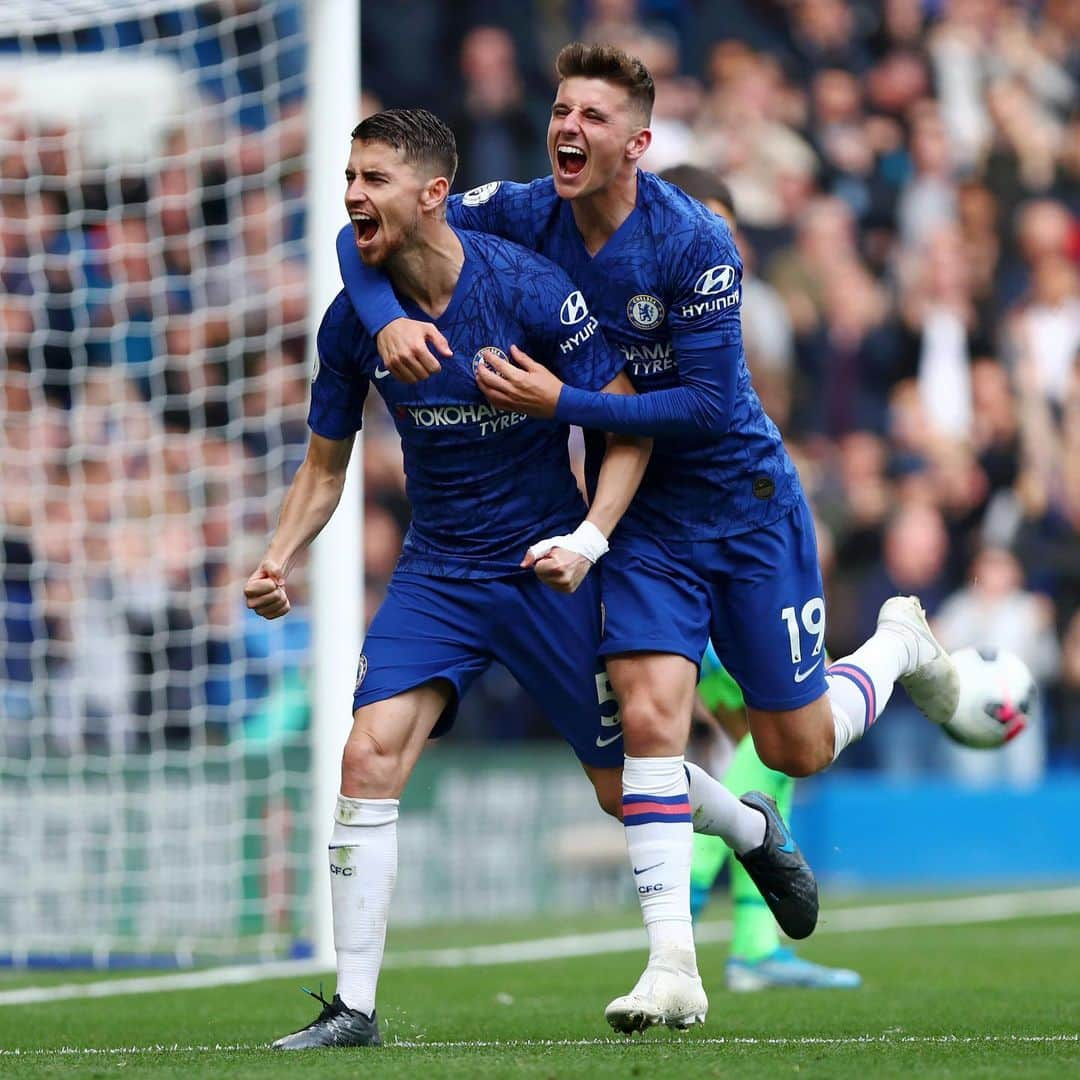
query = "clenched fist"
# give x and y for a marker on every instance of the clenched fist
(265, 590)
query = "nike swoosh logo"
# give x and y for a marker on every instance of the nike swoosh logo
(801, 676)
(645, 868)
(381, 373)
(607, 742)
(788, 846)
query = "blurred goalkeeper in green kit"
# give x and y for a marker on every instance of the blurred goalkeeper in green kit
(758, 960)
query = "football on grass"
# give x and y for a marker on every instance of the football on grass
(997, 694)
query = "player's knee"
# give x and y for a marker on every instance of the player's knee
(368, 769)
(798, 742)
(650, 728)
(794, 762)
(796, 757)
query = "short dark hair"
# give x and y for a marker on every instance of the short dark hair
(701, 184)
(610, 63)
(421, 137)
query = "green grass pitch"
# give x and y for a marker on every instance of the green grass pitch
(985, 1000)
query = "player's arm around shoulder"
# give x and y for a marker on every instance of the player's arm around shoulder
(410, 348)
(700, 284)
(502, 208)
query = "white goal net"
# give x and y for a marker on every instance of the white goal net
(154, 756)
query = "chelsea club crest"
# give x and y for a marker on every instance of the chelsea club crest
(645, 311)
(478, 359)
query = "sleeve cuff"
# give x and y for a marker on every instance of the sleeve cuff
(571, 401)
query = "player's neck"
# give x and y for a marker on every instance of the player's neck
(427, 269)
(600, 214)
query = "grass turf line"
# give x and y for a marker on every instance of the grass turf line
(932, 998)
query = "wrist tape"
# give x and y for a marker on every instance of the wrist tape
(586, 540)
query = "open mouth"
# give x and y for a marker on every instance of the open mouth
(572, 159)
(364, 226)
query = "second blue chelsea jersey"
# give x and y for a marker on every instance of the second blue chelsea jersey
(668, 281)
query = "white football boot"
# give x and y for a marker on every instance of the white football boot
(668, 992)
(931, 678)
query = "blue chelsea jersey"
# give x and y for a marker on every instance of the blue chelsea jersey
(483, 483)
(668, 282)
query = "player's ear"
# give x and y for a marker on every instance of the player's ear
(435, 192)
(638, 143)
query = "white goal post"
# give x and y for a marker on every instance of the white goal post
(337, 585)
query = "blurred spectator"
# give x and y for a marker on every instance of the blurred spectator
(497, 136)
(1044, 228)
(824, 35)
(928, 199)
(940, 316)
(852, 360)
(902, 25)
(843, 140)
(1047, 326)
(826, 238)
(995, 425)
(914, 560)
(258, 281)
(1048, 485)
(746, 131)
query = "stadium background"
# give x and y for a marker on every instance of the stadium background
(906, 178)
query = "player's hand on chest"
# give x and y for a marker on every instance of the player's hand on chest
(453, 383)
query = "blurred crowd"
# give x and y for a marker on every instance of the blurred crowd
(906, 175)
(154, 384)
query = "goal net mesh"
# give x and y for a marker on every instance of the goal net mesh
(153, 312)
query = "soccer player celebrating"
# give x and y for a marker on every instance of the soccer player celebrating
(718, 541)
(482, 483)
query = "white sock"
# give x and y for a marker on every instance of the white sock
(659, 840)
(363, 866)
(718, 812)
(861, 684)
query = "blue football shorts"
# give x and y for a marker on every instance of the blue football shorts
(758, 595)
(439, 628)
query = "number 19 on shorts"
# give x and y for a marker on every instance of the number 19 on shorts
(811, 619)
